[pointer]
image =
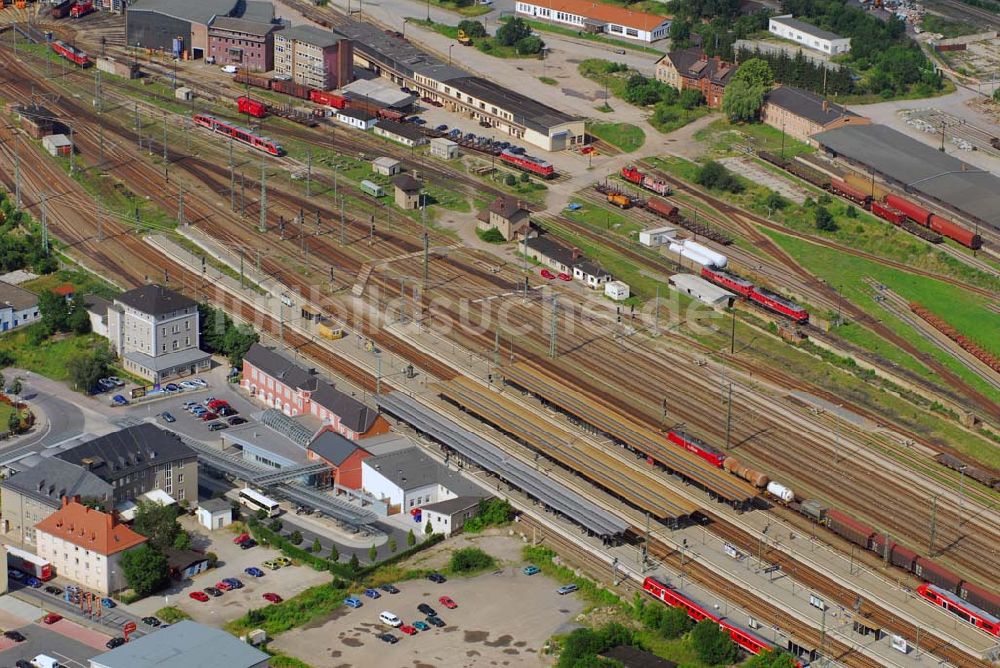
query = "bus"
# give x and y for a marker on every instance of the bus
(258, 501)
(30, 564)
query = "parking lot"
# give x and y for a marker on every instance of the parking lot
(285, 582)
(502, 618)
(55, 641)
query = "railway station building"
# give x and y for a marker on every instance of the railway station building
(691, 68)
(246, 44)
(801, 113)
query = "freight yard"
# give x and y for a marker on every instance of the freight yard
(778, 437)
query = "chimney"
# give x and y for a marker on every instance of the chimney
(576, 253)
(109, 522)
(826, 106)
(65, 501)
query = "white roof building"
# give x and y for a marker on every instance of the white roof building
(808, 35)
(657, 236)
(702, 290)
(185, 644)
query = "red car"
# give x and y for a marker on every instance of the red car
(547, 274)
(272, 597)
(242, 537)
(408, 630)
(223, 586)
(51, 618)
(217, 403)
(447, 602)
(565, 277)
(199, 596)
(209, 416)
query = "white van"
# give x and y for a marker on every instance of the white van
(390, 619)
(44, 661)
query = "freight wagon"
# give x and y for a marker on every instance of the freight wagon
(328, 99)
(61, 10)
(979, 475)
(886, 212)
(672, 213)
(838, 187)
(849, 528)
(252, 107)
(291, 88)
(254, 80)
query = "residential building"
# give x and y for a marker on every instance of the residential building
(18, 307)
(279, 383)
(342, 454)
(185, 644)
(407, 192)
(597, 17)
(247, 44)
(386, 166)
(406, 134)
(449, 516)
(702, 290)
(801, 113)
(97, 311)
(808, 35)
(520, 115)
(29, 496)
(691, 68)
(357, 118)
(443, 148)
(408, 479)
(564, 260)
(137, 460)
(509, 216)
(86, 545)
(214, 514)
(155, 332)
(321, 59)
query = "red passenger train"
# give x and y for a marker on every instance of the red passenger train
(960, 608)
(709, 453)
(747, 641)
(239, 134)
(71, 53)
(529, 163)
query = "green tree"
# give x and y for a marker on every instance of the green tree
(213, 559)
(651, 616)
(851, 212)
(712, 644)
(54, 310)
(510, 180)
(690, 98)
(237, 342)
(472, 28)
(295, 538)
(525, 177)
(529, 45)
(770, 659)
(145, 570)
(470, 560)
(680, 34)
(775, 201)
(334, 553)
(157, 523)
(742, 102)
(182, 541)
(14, 422)
(755, 72)
(411, 538)
(716, 176)
(428, 529)
(674, 623)
(372, 553)
(996, 95)
(392, 544)
(78, 321)
(3, 380)
(316, 546)
(824, 220)
(275, 525)
(354, 563)
(85, 369)
(513, 31)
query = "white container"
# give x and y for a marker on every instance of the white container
(718, 259)
(690, 254)
(777, 490)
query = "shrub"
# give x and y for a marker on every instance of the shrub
(716, 176)
(392, 544)
(472, 28)
(171, 614)
(275, 525)
(373, 553)
(316, 547)
(510, 180)
(674, 623)
(295, 538)
(824, 221)
(491, 236)
(712, 644)
(334, 553)
(354, 563)
(492, 512)
(470, 560)
(411, 538)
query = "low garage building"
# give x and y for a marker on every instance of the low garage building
(448, 517)
(187, 644)
(215, 514)
(702, 290)
(406, 134)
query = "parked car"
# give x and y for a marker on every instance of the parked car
(218, 426)
(213, 592)
(563, 276)
(233, 582)
(546, 274)
(208, 416)
(441, 128)
(426, 609)
(119, 400)
(353, 602)
(14, 573)
(197, 381)
(248, 543)
(272, 564)
(434, 620)
(226, 411)
(117, 381)
(254, 572)
(54, 590)
(242, 537)
(237, 420)
(106, 602)
(566, 589)
(171, 388)
(167, 417)
(387, 617)
(283, 561)
(51, 618)
(388, 637)
(16, 636)
(448, 602)
(223, 586)
(421, 625)
(33, 582)
(215, 404)
(151, 621)
(437, 577)
(106, 384)
(272, 597)
(188, 385)
(199, 596)
(230, 69)
(531, 569)
(372, 593)
(389, 589)
(408, 630)
(117, 641)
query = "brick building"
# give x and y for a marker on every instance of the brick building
(248, 44)
(801, 113)
(342, 454)
(317, 58)
(691, 68)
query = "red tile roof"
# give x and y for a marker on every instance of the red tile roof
(64, 289)
(602, 12)
(90, 529)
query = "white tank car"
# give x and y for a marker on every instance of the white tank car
(718, 259)
(779, 491)
(692, 255)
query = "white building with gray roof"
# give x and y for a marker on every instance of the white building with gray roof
(409, 478)
(808, 35)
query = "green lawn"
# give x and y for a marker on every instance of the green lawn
(948, 27)
(548, 81)
(83, 281)
(465, 10)
(723, 137)
(6, 410)
(605, 219)
(50, 357)
(488, 45)
(623, 136)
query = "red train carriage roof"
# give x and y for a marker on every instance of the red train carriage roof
(779, 299)
(961, 602)
(738, 280)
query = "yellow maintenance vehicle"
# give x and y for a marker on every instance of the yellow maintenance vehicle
(463, 38)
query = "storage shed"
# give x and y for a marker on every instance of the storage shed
(657, 236)
(617, 290)
(57, 145)
(444, 148)
(702, 290)
(386, 166)
(184, 93)
(215, 514)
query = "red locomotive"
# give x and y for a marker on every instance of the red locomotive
(81, 9)
(643, 180)
(763, 298)
(737, 284)
(960, 608)
(71, 53)
(709, 453)
(529, 163)
(248, 105)
(747, 641)
(239, 134)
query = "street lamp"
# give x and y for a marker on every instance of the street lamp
(450, 47)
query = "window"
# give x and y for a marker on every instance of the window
(180, 478)
(631, 32)
(180, 494)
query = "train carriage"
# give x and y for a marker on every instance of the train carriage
(709, 453)
(960, 608)
(775, 302)
(239, 134)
